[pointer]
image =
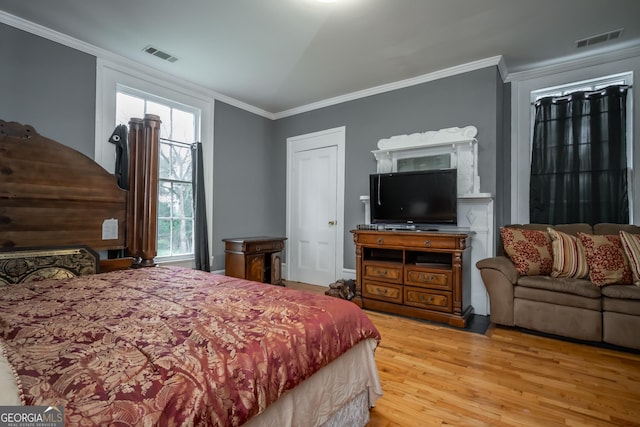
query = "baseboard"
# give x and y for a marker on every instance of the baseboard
(348, 274)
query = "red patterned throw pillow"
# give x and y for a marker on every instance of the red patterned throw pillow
(529, 250)
(607, 262)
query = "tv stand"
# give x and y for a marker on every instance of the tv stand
(418, 274)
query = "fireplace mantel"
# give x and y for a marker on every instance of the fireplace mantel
(446, 148)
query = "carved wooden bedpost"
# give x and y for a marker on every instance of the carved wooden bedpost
(144, 138)
(135, 188)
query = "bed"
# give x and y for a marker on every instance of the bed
(154, 345)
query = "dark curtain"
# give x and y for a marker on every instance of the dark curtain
(201, 239)
(579, 159)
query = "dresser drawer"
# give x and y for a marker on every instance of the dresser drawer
(432, 300)
(381, 239)
(431, 279)
(388, 272)
(263, 246)
(414, 240)
(382, 291)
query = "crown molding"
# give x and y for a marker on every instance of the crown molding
(49, 34)
(436, 75)
(103, 54)
(563, 65)
(503, 69)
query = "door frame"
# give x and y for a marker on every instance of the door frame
(306, 142)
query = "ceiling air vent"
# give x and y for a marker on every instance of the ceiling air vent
(600, 38)
(160, 54)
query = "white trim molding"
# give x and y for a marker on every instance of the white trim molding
(562, 65)
(436, 75)
(459, 144)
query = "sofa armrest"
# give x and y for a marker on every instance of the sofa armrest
(499, 276)
(503, 265)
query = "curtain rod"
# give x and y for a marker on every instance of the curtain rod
(629, 87)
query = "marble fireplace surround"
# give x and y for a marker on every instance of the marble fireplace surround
(475, 209)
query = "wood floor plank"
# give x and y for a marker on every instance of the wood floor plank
(435, 375)
(508, 378)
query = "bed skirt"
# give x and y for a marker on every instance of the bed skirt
(340, 394)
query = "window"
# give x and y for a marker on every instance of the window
(581, 162)
(179, 130)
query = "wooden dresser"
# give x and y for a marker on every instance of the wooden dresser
(254, 258)
(416, 274)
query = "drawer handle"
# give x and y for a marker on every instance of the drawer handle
(427, 243)
(383, 291)
(380, 240)
(426, 300)
(424, 278)
(382, 272)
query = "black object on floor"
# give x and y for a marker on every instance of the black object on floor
(478, 324)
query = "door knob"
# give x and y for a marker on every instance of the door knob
(332, 222)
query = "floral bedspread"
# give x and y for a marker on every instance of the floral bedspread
(168, 346)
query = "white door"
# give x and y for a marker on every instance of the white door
(314, 206)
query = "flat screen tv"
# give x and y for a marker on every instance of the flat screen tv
(418, 198)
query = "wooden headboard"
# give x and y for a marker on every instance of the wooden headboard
(52, 195)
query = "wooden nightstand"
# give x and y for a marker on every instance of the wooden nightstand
(255, 258)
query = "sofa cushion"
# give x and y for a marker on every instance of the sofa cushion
(529, 250)
(607, 261)
(621, 292)
(559, 298)
(621, 329)
(631, 246)
(557, 319)
(580, 287)
(569, 259)
(625, 306)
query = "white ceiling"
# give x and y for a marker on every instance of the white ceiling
(281, 54)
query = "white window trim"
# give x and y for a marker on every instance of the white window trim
(109, 76)
(521, 130)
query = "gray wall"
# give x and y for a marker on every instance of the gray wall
(502, 209)
(49, 86)
(245, 179)
(473, 98)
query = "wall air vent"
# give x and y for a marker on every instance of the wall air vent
(600, 38)
(160, 54)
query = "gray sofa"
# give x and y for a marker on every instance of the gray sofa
(574, 308)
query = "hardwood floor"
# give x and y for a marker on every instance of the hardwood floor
(435, 375)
